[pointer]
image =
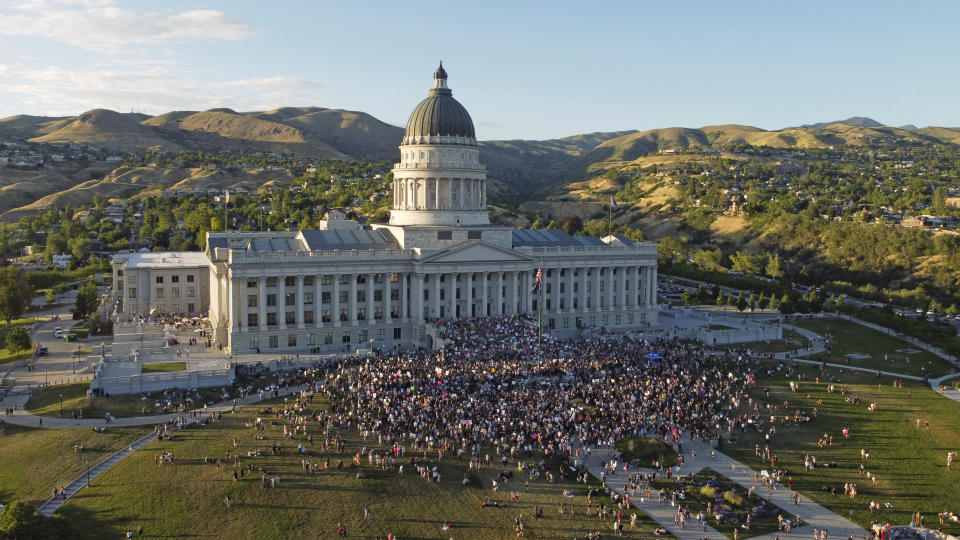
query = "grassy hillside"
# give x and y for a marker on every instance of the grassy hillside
(127, 182)
(109, 129)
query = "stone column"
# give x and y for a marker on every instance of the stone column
(484, 280)
(610, 279)
(406, 288)
(595, 287)
(556, 291)
(352, 315)
(300, 324)
(386, 300)
(282, 302)
(435, 296)
(622, 287)
(317, 306)
(242, 307)
(262, 303)
(499, 295)
(653, 286)
(416, 297)
(582, 289)
(370, 318)
(468, 293)
(513, 296)
(335, 315)
(570, 272)
(234, 306)
(453, 294)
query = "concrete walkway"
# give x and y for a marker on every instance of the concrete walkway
(812, 514)
(817, 345)
(53, 504)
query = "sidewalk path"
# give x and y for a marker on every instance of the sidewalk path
(812, 514)
(53, 504)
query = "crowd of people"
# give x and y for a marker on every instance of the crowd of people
(491, 386)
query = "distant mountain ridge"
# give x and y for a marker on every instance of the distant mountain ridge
(859, 121)
(520, 168)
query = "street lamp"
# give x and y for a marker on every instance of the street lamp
(61, 404)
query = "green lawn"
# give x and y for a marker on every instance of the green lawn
(37, 460)
(186, 498)
(163, 367)
(719, 327)
(47, 402)
(710, 488)
(851, 338)
(645, 451)
(792, 340)
(909, 462)
(7, 356)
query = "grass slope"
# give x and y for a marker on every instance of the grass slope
(909, 462)
(851, 338)
(37, 460)
(186, 498)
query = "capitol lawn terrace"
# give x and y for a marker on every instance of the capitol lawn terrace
(909, 462)
(186, 498)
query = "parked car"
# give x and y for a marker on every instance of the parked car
(42, 350)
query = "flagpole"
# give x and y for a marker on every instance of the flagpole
(610, 218)
(540, 318)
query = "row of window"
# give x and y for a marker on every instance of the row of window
(189, 292)
(170, 308)
(344, 279)
(326, 315)
(174, 279)
(360, 338)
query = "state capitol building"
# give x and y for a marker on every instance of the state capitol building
(347, 286)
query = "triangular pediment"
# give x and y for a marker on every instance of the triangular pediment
(476, 251)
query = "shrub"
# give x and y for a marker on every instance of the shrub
(733, 498)
(708, 491)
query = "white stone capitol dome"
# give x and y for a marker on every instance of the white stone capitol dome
(439, 180)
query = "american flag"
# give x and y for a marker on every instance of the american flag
(538, 280)
(226, 198)
(613, 202)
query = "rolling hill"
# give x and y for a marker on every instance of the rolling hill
(520, 169)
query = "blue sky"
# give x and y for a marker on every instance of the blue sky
(523, 69)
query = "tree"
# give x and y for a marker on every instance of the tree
(15, 292)
(773, 302)
(774, 267)
(730, 301)
(761, 299)
(685, 298)
(752, 302)
(18, 340)
(572, 225)
(720, 300)
(80, 247)
(87, 299)
(746, 263)
(20, 520)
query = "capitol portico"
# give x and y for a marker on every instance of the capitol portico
(347, 286)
